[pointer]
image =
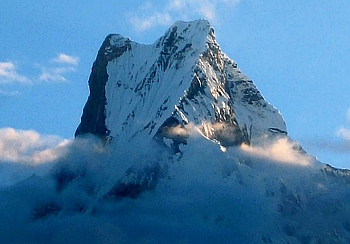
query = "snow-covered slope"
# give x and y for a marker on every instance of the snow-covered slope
(156, 91)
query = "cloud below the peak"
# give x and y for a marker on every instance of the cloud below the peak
(28, 146)
(150, 15)
(26, 152)
(281, 150)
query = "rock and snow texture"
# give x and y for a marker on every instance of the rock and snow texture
(158, 174)
(183, 78)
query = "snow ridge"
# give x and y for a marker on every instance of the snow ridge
(147, 80)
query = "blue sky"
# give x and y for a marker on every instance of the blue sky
(296, 52)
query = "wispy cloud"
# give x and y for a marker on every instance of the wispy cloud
(63, 65)
(332, 145)
(55, 74)
(343, 132)
(9, 93)
(150, 16)
(60, 66)
(63, 58)
(338, 145)
(281, 150)
(148, 22)
(9, 74)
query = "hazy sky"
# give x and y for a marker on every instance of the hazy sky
(296, 52)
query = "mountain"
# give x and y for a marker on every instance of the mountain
(183, 94)
(177, 145)
(151, 91)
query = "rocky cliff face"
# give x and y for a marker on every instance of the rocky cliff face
(93, 118)
(182, 79)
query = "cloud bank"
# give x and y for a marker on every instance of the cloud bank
(27, 146)
(25, 152)
(204, 195)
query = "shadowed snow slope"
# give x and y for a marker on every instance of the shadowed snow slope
(176, 145)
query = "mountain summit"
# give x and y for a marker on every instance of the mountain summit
(156, 91)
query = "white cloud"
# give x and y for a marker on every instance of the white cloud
(199, 8)
(28, 146)
(142, 24)
(177, 4)
(55, 74)
(64, 64)
(9, 93)
(25, 153)
(281, 150)
(208, 11)
(343, 133)
(149, 16)
(178, 131)
(8, 74)
(63, 58)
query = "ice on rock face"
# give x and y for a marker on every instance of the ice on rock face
(184, 76)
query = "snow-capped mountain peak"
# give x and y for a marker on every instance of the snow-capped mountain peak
(158, 174)
(183, 78)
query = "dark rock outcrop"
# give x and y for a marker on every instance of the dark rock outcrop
(93, 118)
